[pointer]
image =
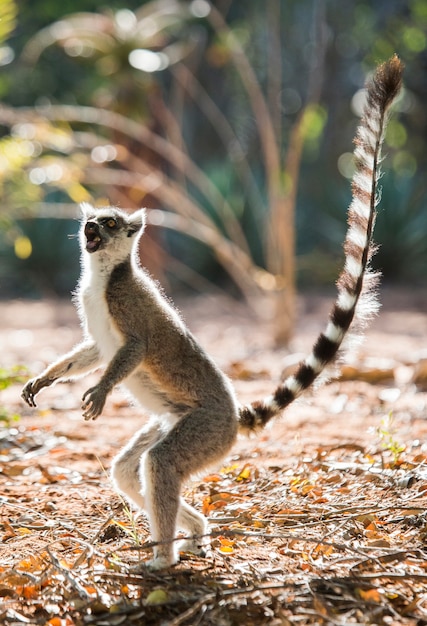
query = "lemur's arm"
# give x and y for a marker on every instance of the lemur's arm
(124, 362)
(83, 358)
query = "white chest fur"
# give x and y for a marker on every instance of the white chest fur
(99, 323)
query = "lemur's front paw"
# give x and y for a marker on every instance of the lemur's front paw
(31, 389)
(93, 402)
(28, 393)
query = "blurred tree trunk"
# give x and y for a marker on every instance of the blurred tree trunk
(281, 245)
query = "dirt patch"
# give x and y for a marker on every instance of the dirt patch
(321, 519)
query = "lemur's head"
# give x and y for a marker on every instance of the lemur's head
(109, 230)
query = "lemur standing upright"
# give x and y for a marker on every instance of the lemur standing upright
(134, 331)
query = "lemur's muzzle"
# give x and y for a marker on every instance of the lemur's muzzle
(93, 237)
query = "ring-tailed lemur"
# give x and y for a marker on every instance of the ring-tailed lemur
(132, 329)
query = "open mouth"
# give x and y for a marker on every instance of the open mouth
(93, 239)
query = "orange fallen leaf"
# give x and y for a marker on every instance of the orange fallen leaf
(218, 504)
(306, 567)
(224, 541)
(30, 592)
(212, 478)
(222, 495)
(370, 595)
(323, 549)
(366, 519)
(206, 505)
(211, 503)
(30, 564)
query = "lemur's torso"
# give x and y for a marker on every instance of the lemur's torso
(161, 383)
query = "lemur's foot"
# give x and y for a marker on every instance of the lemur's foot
(199, 546)
(153, 565)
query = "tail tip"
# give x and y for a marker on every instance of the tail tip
(387, 80)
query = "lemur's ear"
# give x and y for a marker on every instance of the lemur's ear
(136, 222)
(86, 209)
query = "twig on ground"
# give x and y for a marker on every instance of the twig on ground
(67, 572)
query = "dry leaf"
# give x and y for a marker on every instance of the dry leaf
(323, 549)
(370, 595)
(245, 473)
(10, 532)
(30, 592)
(158, 596)
(212, 478)
(224, 541)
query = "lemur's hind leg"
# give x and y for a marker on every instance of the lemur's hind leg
(125, 468)
(196, 527)
(198, 439)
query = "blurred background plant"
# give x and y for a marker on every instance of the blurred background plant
(8, 377)
(231, 121)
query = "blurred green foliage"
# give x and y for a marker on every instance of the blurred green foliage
(295, 47)
(10, 376)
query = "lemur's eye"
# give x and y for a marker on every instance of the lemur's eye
(111, 223)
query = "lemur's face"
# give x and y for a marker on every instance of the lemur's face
(99, 230)
(109, 229)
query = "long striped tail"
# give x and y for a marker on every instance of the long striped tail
(356, 299)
